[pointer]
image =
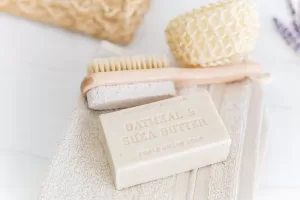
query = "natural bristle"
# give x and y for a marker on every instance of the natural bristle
(127, 63)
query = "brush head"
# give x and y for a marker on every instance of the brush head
(127, 63)
(129, 95)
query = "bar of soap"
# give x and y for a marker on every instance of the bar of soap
(163, 138)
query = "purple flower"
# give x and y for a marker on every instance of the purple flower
(291, 35)
(291, 7)
(295, 24)
(297, 47)
(284, 31)
(296, 27)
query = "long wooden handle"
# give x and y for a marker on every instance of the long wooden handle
(180, 76)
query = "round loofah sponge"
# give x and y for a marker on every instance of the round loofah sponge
(215, 34)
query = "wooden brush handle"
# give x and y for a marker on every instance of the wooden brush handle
(180, 76)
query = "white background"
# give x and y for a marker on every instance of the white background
(42, 67)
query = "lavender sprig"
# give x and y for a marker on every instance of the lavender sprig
(295, 24)
(284, 31)
(286, 34)
(296, 27)
(291, 7)
(297, 47)
(290, 35)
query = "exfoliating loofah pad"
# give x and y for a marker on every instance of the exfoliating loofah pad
(216, 34)
(113, 20)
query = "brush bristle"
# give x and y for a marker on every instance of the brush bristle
(127, 63)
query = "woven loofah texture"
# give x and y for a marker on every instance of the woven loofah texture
(113, 20)
(215, 34)
(127, 63)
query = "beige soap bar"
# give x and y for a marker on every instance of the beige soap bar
(164, 138)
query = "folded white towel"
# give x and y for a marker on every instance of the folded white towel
(80, 170)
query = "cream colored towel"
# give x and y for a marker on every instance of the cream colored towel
(80, 170)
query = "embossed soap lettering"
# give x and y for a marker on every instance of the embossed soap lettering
(150, 151)
(148, 122)
(138, 137)
(182, 127)
(159, 149)
(194, 139)
(143, 129)
(173, 145)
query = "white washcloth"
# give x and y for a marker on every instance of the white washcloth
(80, 171)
